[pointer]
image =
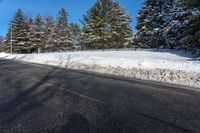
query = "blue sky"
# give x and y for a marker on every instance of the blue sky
(75, 9)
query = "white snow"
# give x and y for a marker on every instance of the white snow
(170, 66)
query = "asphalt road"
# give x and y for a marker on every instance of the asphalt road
(40, 99)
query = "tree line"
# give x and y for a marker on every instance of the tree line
(102, 29)
(173, 24)
(46, 35)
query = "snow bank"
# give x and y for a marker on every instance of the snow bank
(3, 55)
(160, 66)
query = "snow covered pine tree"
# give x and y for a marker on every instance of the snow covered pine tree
(169, 22)
(1, 43)
(19, 32)
(38, 34)
(62, 36)
(191, 34)
(76, 35)
(106, 25)
(49, 34)
(150, 25)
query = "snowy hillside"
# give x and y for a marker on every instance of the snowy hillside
(160, 66)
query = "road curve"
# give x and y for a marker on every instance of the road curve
(45, 99)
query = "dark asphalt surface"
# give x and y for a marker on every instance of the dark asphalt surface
(44, 99)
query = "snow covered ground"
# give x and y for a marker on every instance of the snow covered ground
(171, 67)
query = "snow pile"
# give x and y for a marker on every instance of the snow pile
(3, 55)
(160, 66)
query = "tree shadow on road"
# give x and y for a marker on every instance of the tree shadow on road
(26, 99)
(30, 103)
(76, 124)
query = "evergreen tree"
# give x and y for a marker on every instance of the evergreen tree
(170, 26)
(106, 25)
(176, 21)
(150, 25)
(191, 34)
(27, 39)
(1, 38)
(7, 42)
(1, 43)
(38, 33)
(76, 34)
(120, 26)
(62, 37)
(49, 33)
(17, 26)
(169, 22)
(30, 35)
